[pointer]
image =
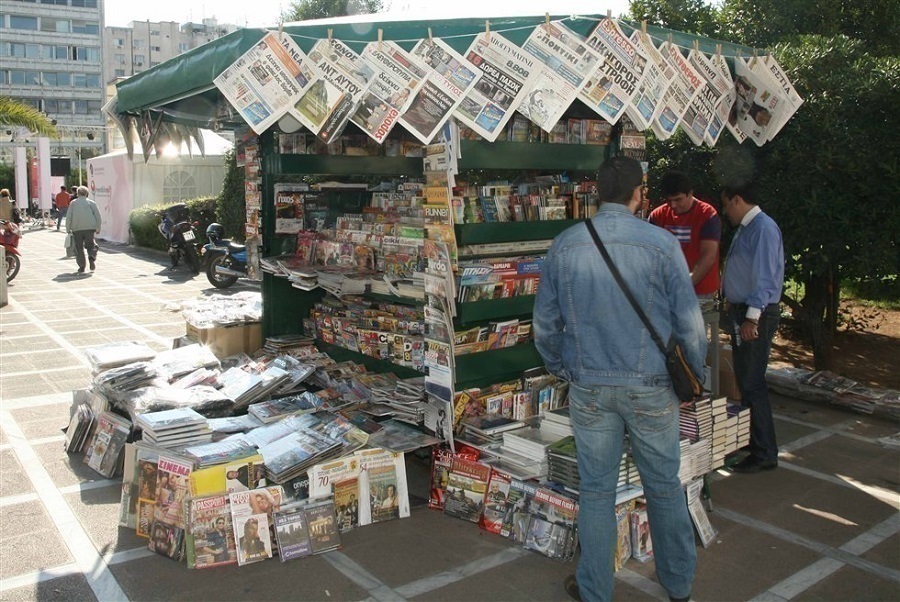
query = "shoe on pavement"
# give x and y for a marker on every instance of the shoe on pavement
(93, 265)
(80, 271)
(685, 599)
(752, 465)
(571, 586)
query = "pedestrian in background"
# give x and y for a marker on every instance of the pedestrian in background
(83, 221)
(588, 334)
(752, 284)
(63, 198)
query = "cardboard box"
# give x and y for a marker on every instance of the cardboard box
(228, 340)
(727, 381)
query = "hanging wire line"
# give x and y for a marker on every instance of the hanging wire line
(655, 37)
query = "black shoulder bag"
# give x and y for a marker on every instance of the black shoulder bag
(684, 381)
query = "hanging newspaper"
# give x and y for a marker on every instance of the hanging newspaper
(720, 113)
(264, 82)
(507, 74)
(326, 107)
(613, 86)
(450, 78)
(678, 97)
(698, 118)
(566, 63)
(648, 102)
(396, 79)
(769, 67)
(758, 103)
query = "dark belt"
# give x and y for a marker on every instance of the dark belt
(742, 307)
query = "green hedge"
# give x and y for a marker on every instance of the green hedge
(143, 221)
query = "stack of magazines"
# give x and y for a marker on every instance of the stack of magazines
(104, 452)
(178, 428)
(556, 423)
(125, 378)
(247, 387)
(295, 453)
(273, 410)
(343, 280)
(80, 426)
(220, 452)
(112, 355)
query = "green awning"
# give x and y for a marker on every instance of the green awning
(182, 87)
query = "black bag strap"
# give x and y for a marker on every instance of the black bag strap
(615, 272)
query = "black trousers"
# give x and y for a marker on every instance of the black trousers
(84, 241)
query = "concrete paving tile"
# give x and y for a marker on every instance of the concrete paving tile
(13, 478)
(17, 363)
(450, 542)
(15, 386)
(786, 432)
(531, 577)
(19, 329)
(867, 463)
(809, 411)
(23, 344)
(65, 468)
(819, 510)
(29, 541)
(741, 563)
(71, 588)
(872, 426)
(311, 578)
(98, 512)
(887, 553)
(42, 421)
(851, 583)
(3, 438)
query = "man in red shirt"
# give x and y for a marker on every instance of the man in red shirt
(697, 227)
(62, 205)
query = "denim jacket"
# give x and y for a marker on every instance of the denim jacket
(584, 327)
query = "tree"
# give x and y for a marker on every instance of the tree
(231, 210)
(305, 10)
(19, 114)
(689, 16)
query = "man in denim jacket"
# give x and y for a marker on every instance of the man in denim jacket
(589, 334)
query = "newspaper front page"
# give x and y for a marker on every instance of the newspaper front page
(678, 97)
(699, 115)
(507, 74)
(648, 101)
(613, 86)
(266, 80)
(566, 63)
(396, 80)
(450, 78)
(758, 104)
(722, 108)
(768, 67)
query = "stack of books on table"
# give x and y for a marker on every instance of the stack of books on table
(696, 459)
(557, 422)
(178, 428)
(562, 462)
(719, 427)
(695, 419)
(741, 417)
(529, 443)
(219, 452)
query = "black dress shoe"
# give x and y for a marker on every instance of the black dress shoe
(571, 585)
(685, 599)
(751, 465)
(93, 265)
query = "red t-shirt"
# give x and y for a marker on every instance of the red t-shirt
(699, 223)
(62, 199)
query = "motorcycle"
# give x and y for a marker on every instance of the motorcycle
(225, 261)
(181, 236)
(9, 238)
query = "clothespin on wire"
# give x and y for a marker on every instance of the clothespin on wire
(487, 31)
(753, 60)
(644, 31)
(547, 20)
(281, 30)
(608, 13)
(380, 34)
(430, 39)
(330, 32)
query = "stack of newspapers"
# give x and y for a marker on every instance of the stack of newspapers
(177, 428)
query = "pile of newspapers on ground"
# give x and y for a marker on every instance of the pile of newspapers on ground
(827, 386)
(215, 456)
(217, 309)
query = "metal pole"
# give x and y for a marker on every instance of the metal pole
(78, 156)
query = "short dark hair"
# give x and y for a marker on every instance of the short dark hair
(675, 182)
(747, 191)
(617, 178)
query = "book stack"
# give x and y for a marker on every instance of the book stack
(741, 417)
(695, 419)
(113, 355)
(178, 428)
(557, 422)
(491, 426)
(696, 458)
(628, 472)
(81, 424)
(562, 463)
(104, 452)
(719, 418)
(529, 443)
(219, 452)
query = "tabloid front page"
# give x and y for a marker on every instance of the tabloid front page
(620, 74)
(699, 115)
(768, 67)
(758, 104)
(266, 80)
(723, 107)
(566, 63)
(396, 79)
(450, 78)
(678, 97)
(507, 75)
(648, 101)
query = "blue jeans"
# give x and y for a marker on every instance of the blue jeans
(600, 416)
(751, 359)
(61, 216)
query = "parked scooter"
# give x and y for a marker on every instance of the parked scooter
(225, 260)
(9, 238)
(181, 236)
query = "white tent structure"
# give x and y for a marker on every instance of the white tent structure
(119, 184)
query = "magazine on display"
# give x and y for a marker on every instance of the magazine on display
(138, 481)
(613, 86)
(466, 489)
(292, 532)
(266, 80)
(566, 62)
(705, 529)
(507, 76)
(251, 515)
(167, 540)
(323, 531)
(496, 503)
(681, 92)
(449, 78)
(209, 537)
(551, 528)
(105, 449)
(326, 106)
(172, 487)
(396, 79)
(346, 503)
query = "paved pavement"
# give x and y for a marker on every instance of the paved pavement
(824, 526)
